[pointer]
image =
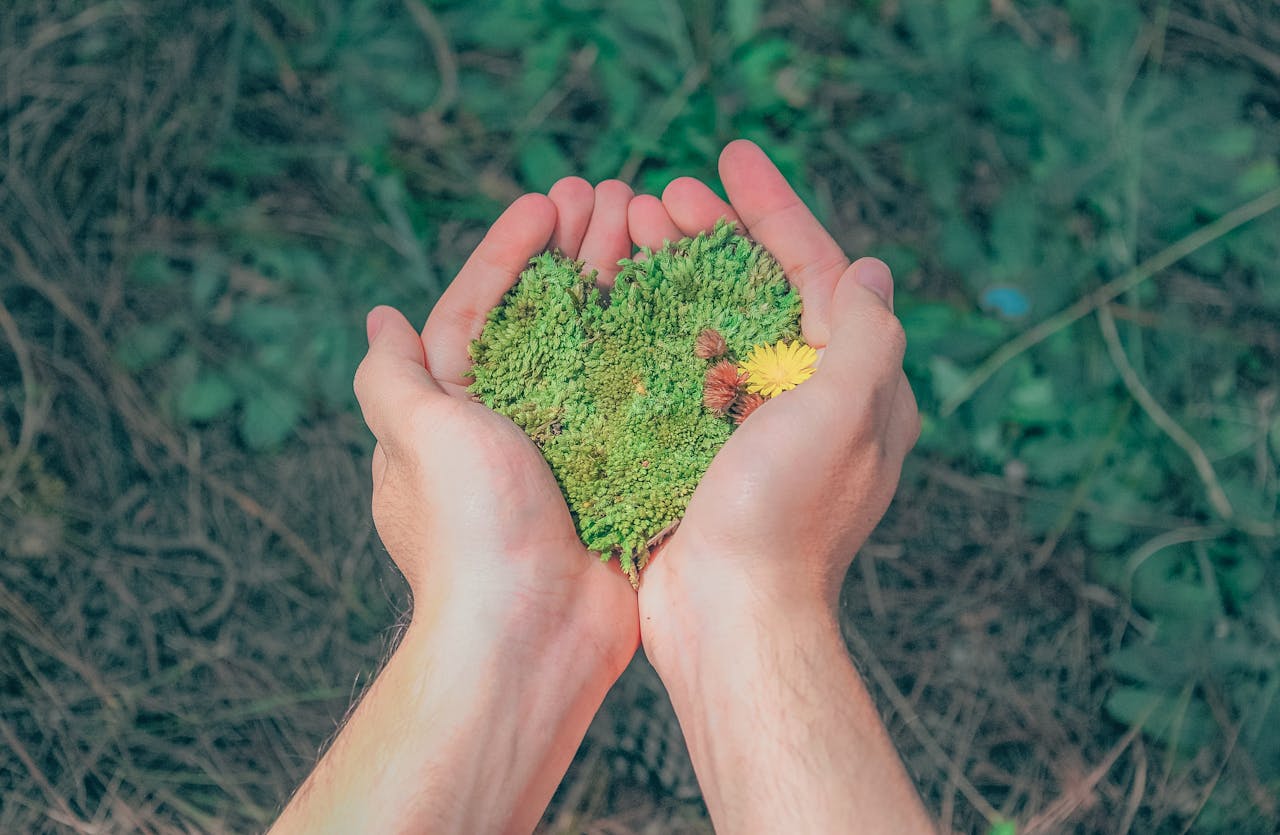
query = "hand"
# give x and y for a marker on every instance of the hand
(738, 607)
(797, 489)
(517, 633)
(463, 501)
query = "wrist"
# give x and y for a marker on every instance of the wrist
(501, 714)
(780, 727)
(531, 611)
(689, 616)
(500, 640)
(709, 648)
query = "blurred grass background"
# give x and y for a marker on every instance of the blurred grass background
(1071, 614)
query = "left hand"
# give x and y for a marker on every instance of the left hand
(517, 632)
(463, 500)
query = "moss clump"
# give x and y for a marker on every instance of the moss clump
(610, 387)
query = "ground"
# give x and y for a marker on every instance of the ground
(1069, 615)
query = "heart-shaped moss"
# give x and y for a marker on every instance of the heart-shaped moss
(610, 385)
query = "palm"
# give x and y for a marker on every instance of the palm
(505, 485)
(762, 456)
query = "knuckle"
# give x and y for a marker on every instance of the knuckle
(832, 264)
(914, 423)
(426, 419)
(894, 336)
(876, 327)
(362, 383)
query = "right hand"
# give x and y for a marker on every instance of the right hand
(773, 526)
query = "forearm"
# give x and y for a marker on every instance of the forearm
(782, 732)
(461, 732)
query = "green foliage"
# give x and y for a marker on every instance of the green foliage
(305, 223)
(1212, 640)
(610, 389)
(1050, 171)
(1005, 164)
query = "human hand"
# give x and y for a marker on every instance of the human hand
(776, 520)
(517, 633)
(463, 500)
(738, 607)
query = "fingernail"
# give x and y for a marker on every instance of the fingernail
(372, 324)
(873, 274)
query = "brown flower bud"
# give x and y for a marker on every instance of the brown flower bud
(722, 386)
(709, 345)
(745, 405)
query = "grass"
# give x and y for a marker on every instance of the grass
(1068, 615)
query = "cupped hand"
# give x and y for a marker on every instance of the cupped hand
(796, 490)
(463, 500)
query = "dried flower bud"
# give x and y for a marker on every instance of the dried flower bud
(722, 386)
(745, 405)
(709, 345)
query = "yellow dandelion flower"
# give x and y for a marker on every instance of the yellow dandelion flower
(773, 369)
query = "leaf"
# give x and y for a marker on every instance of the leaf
(946, 376)
(144, 346)
(265, 324)
(1257, 178)
(207, 281)
(1105, 534)
(1173, 719)
(206, 398)
(1242, 579)
(961, 248)
(1231, 142)
(1035, 401)
(269, 416)
(743, 17)
(1052, 458)
(1168, 582)
(1013, 233)
(962, 13)
(152, 268)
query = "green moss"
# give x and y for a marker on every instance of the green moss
(609, 386)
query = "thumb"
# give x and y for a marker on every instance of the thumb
(392, 379)
(390, 333)
(867, 341)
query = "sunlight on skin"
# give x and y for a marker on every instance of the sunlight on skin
(517, 632)
(574, 199)
(650, 224)
(607, 241)
(741, 599)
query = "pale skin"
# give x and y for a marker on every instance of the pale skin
(517, 633)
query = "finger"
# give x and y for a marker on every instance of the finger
(864, 357)
(574, 198)
(392, 380)
(607, 241)
(874, 274)
(378, 465)
(776, 217)
(648, 223)
(522, 231)
(903, 424)
(694, 207)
